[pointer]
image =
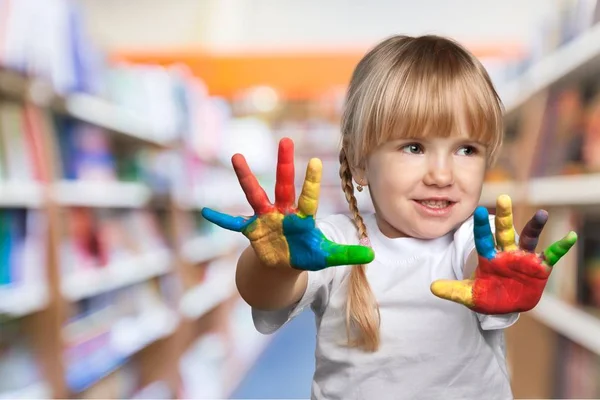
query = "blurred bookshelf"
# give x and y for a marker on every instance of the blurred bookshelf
(110, 280)
(552, 161)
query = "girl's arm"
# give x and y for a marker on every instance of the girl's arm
(268, 288)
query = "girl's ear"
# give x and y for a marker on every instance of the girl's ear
(360, 176)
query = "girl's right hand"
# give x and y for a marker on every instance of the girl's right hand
(281, 234)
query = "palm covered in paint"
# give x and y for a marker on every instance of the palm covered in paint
(510, 278)
(281, 234)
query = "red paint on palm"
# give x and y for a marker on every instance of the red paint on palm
(510, 282)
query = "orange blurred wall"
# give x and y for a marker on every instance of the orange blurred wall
(298, 75)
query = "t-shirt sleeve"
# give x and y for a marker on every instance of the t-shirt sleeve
(316, 295)
(465, 245)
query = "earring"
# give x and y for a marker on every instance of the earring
(359, 187)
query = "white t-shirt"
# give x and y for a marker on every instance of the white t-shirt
(430, 348)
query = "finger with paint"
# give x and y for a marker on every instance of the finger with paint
(505, 231)
(282, 234)
(532, 231)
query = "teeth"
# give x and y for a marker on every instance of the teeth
(435, 203)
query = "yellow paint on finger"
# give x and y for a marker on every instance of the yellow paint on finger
(458, 291)
(505, 231)
(308, 202)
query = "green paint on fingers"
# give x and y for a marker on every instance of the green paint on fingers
(558, 249)
(347, 254)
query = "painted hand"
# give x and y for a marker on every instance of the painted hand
(281, 234)
(509, 279)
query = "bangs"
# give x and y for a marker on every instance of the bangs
(441, 92)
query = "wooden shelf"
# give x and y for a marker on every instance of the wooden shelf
(83, 107)
(570, 321)
(132, 270)
(574, 61)
(128, 337)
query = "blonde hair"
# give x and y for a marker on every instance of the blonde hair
(409, 87)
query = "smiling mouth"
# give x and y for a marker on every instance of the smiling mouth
(436, 204)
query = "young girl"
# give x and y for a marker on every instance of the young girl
(421, 124)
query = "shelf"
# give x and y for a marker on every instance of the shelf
(127, 337)
(129, 271)
(578, 59)
(38, 390)
(21, 194)
(570, 190)
(131, 335)
(218, 286)
(204, 297)
(492, 190)
(569, 321)
(99, 112)
(17, 301)
(101, 194)
(567, 190)
(81, 106)
(207, 247)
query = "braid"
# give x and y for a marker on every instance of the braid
(348, 188)
(362, 310)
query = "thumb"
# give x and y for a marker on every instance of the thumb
(457, 291)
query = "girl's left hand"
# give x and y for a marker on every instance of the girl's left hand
(511, 278)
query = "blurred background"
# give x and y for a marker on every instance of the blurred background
(118, 119)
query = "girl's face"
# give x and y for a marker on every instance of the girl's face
(425, 188)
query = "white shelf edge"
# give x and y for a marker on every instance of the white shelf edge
(39, 390)
(562, 190)
(491, 191)
(101, 194)
(138, 269)
(106, 115)
(164, 323)
(21, 194)
(21, 300)
(204, 297)
(552, 68)
(581, 189)
(569, 321)
(210, 246)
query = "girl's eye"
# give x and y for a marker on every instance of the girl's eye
(413, 148)
(467, 151)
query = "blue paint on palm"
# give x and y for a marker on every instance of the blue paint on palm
(305, 243)
(484, 239)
